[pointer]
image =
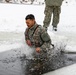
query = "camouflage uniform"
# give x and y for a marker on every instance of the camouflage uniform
(39, 38)
(32, 1)
(52, 6)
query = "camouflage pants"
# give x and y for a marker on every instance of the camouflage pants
(49, 10)
(37, 66)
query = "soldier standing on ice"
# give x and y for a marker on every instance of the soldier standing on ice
(52, 7)
(37, 38)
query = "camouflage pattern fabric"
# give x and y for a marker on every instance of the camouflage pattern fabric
(53, 2)
(49, 10)
(38, 38)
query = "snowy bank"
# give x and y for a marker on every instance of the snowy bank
(69, 70)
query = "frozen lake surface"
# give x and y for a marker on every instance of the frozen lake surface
(12, 44)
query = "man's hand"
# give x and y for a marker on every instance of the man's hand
(28, 42)
(38, 49)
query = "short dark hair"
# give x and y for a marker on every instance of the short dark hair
(30, 16)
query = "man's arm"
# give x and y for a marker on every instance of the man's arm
(26, 34)
(46, 41)
(27, 38)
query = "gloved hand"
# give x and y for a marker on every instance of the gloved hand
(28, 42)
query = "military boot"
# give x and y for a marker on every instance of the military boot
(54, 28)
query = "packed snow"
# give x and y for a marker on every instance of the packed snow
(70, 70)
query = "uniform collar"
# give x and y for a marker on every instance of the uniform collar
(33, 27)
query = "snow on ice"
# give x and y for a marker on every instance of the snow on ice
(13, 20)
(12, 24)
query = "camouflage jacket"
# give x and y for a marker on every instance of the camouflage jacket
(38, 37)
(53, 2)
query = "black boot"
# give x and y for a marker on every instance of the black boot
(55, 28)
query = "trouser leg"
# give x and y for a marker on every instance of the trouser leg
(47, 18)
(56, 15)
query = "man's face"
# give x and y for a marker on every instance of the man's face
(30, 22)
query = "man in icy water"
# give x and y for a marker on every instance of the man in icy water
(36, 37)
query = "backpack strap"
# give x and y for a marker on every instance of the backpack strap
(28, 31)
(35, 29)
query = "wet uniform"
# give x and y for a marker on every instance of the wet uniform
(39, 38)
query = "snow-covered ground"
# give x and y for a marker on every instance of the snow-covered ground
(12, 26)
(70, 70)
(12, 19)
